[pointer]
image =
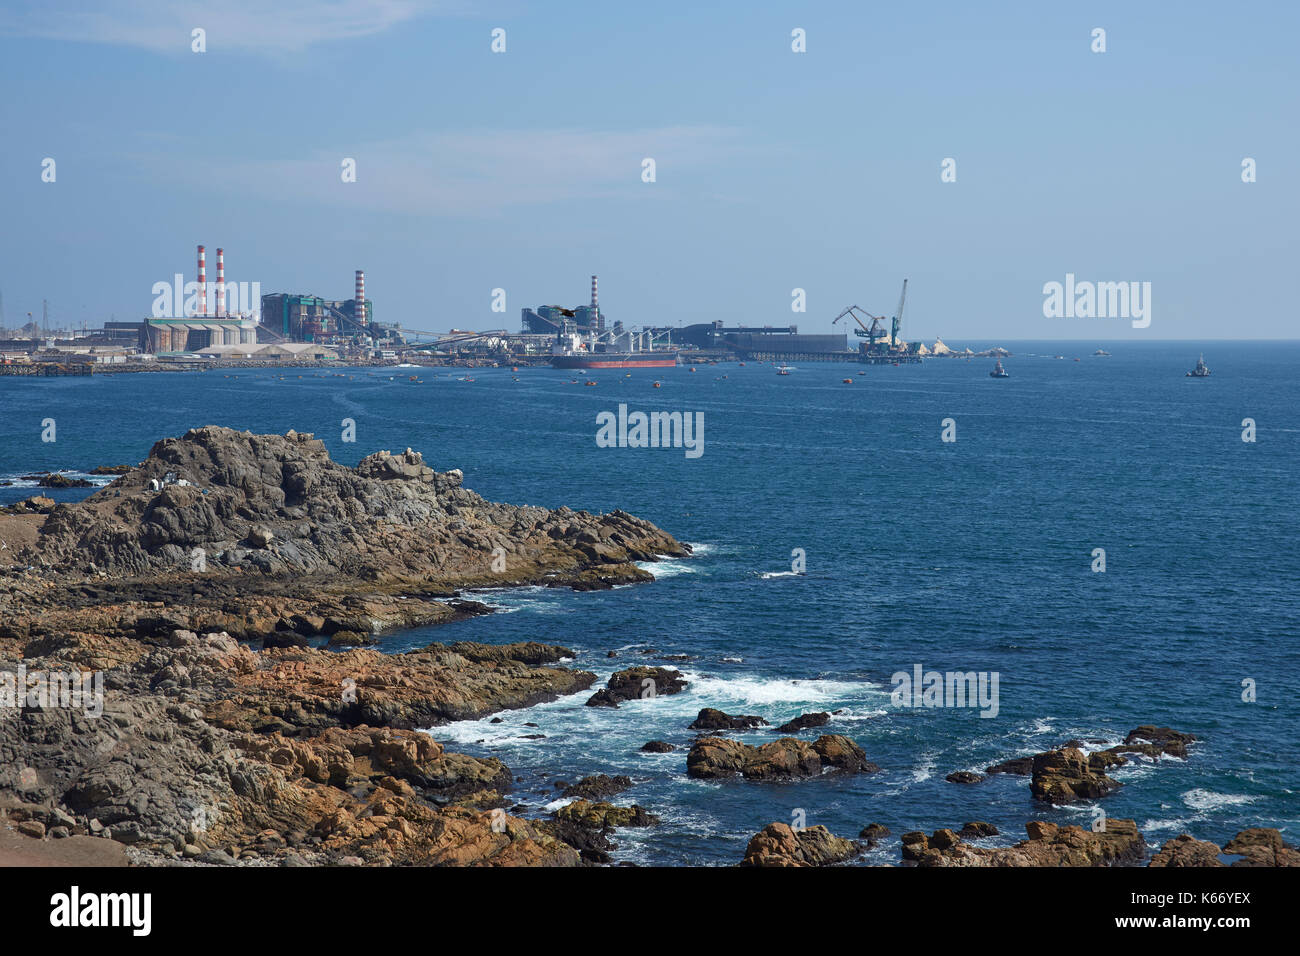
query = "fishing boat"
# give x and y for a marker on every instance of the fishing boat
(783, 370)
(1201, 371)
(999, 371)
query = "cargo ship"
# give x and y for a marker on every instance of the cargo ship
(583, 358)
(583, 341)
(572, 350)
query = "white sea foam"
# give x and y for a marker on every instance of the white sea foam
(768, 575)
(1199, 799)
(759, 690)
(666, 568)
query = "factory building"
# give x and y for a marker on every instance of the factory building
(755, 340)
(200, 330)
(548, 319)
(310, 318)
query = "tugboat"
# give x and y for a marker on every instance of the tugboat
(999, 371)
(1201, 371)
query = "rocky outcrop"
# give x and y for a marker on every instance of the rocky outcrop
(713, 758)
(304, 690)
(964, 776)
(597, 786)
(1063, 776)
(778, 845)
(1262, 846)
(1069, 773)
(263, 535)
(1185, 850)
(804, 722)
(711, 719)
(873, 833)
(391, 517)
(208, 750)
(636, 683)
(1048, 845)
(1017, 766)
(657, 747)
(1258, 846)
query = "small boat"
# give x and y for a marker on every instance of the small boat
(658, 385)
(847, 381)
(783, 370)
(589, 382)
(1201, 371)
(1101, 352)
(999, 371)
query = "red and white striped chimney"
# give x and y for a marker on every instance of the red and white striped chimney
(221, 283)
(594, 303)
(203, 285)
(359, 313)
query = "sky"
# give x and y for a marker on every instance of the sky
(774, 170)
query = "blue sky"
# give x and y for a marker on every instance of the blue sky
(775, 170)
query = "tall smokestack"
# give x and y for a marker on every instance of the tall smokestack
(203, 285)
(359, 313)
(221, 283)
(594, 304)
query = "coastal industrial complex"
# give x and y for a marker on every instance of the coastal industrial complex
(196, 325)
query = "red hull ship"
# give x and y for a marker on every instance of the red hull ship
(583, 359)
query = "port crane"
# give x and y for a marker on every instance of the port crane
(875, 331)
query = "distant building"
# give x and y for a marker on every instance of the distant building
(194, 333)
(269, 352)
(310, 318)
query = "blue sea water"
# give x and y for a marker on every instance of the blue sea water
(974, 555)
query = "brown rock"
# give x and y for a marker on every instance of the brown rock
(778, 845)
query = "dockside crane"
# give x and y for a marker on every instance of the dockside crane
(872, 332)
(898, 318)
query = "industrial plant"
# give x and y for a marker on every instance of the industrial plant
(188, 330)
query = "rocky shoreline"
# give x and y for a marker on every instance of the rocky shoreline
(223, 592)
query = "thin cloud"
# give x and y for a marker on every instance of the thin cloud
(467, 172)
(252, 26)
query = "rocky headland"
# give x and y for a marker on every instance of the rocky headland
(200, 586)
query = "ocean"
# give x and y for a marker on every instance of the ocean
(969, 555)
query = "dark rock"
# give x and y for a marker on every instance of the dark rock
(964, 776)
(873, 833)
(804, 722)
(1019, 766)
(597, 786)
(711, 719)
(658, 747)
(637, 683)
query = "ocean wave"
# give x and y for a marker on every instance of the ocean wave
(18, 481)
(667, 568)
(1199, 799)
(759, 690)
